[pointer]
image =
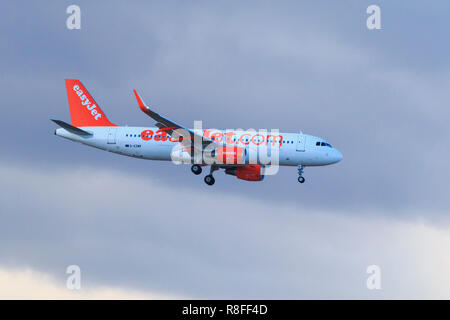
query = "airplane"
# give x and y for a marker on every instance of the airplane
(169, 141)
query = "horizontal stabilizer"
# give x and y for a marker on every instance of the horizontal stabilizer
(71, 128)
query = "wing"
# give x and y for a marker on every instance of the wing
(175, 130)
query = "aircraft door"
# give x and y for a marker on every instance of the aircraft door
(112, 135)
(301, 140)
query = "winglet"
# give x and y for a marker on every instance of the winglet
(141, 103)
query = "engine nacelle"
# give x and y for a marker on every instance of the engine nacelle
(251, 172)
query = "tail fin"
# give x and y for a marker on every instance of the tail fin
(84, 111)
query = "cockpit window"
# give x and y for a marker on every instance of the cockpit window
(323, 144)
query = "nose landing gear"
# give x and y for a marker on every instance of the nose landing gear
(209, 179)
(300, 174)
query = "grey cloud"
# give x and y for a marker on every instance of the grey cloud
(126, 232)
(379, 97)
(296, 66)
(293, 67)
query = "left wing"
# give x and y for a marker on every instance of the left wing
(186, 136)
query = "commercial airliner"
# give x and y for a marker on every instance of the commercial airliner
(238, 152)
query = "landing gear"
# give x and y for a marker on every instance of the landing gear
(209, 179)
(300, 174)
(196, 169)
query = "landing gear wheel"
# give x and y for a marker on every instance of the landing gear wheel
(196, 169)
(300, 174)
(209, 180)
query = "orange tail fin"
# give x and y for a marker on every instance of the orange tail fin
(84, 111)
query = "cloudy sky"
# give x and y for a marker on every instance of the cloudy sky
(154, 230)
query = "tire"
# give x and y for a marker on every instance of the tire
(301, 179)
(196, 169)
(209, 180)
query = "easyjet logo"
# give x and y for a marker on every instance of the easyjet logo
(159, 135)
(85, 102)
(218, 137)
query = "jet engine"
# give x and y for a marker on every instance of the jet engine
(251, 172)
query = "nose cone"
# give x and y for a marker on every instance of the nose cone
(337, 156)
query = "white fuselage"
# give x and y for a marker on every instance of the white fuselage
(294, 148)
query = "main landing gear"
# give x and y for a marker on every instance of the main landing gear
(300, 174)
(196, 169)
(209, 179)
